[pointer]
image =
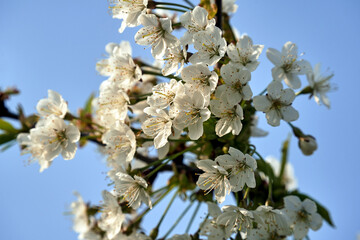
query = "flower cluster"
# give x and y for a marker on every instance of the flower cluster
(196, 98)
(51, 136)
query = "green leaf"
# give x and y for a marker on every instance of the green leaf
(7, 137)
(87, 107)
(265, 168)
(324, 213)
(284, 157)
(7, 146)
(7, 127)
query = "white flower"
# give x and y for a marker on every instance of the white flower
(81, 218)
(210, 45)
(286, 65)
(275, 222)
(215, 178)
(133, 190)
(209, 228)
(56, 138)
(235, 218)
(159, 126)
(307, 144)
(195, 21)
(36, 150)
(174, 56)
(193, 112)
(277, 104)
(112, 103)
(241, 169)
(120, 143)
(129, 11)
(255, 131)
(54, 104)
(320, 85)
(230, 117)
(156, 32)
(164, 94)
(133, 236)
(180, 237)
(120, 66)
(236, 87)
(112, 216)
(302, 215)
(200, 78)
(244, 54)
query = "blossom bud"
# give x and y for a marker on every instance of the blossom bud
(307, 144)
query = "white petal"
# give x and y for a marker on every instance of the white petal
(289, 114)
(274, 56)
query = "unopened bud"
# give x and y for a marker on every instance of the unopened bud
(307, 144)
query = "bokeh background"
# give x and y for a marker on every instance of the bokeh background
(56, 44)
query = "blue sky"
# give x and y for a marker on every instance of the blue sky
(55, 45)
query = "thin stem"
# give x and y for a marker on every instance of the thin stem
(159, 74)
(171, 9)
(246, 193)
(167, 209)
(172, 4)
(169, 159)
(193, 217)
(269, 198)
(138, 218)
(219, 14)
(190, 3)
(178, 220)
(262, 92)
(259, 155)
(159, 190)
(284, 152)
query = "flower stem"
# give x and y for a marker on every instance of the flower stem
(262, 92)
(172, 4)
(284, 151)
(138, 218)
(167, 209)
(219, 14)
(269, 198)
(168, 160)
(172, 9)
(159, 74)
(178, 220)
(193, 217)
(190, 3)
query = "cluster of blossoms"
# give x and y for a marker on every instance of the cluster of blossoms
(207, 108)
(51, 136)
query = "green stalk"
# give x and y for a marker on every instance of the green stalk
(171, 9)
(172, 157)
(193, 217)
(178, 220)
(138, 218)
(190, 3)
(172, 4)
(262, 92)
(167, 209)
(159, 74)
(284, 151)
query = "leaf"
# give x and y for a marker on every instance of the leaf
(7, 127)
(324, 213)
(6, 146)
(7, 137)
(87, 107)
(265, 168)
